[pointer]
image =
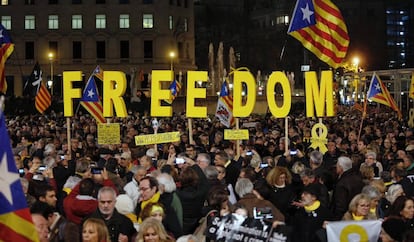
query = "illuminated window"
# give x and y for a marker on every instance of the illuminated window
(53, 22)
(6, 22)
(29, 22)
(124, 21)
(4, 2)
(100, 21)
(170, 22)
(186, 25)
(147, 21)
(76, 21)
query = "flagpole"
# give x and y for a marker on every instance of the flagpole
(237, 141)
(286, 133)
(68, 134)
(364, 111)
(190, 130)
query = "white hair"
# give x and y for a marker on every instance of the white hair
(345, 163)
(167, 182)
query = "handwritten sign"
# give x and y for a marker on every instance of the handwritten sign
(109, 134)
(161, 138)
(236, 134)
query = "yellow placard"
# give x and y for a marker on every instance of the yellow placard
(109, 134)
(236, 134)
(161, 138)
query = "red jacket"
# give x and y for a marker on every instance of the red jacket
(77, 206)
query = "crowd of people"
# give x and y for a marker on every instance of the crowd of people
(162, 192)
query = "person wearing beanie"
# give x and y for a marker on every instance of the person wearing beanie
(392, 230)
(310, 216)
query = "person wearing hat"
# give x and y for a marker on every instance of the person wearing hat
(392, 230)
(310, 216)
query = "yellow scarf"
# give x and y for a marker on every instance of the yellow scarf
(153, 199)
(356, 217)
(313, 207)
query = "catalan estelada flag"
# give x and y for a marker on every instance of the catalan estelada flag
(90, 98)
(6, 49)
(224, 110)
(15, 218)
(175, 88)
(320, 27)
(379, 93)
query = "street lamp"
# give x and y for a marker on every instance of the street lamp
(355, 61)
(172, 55)
(50, 82)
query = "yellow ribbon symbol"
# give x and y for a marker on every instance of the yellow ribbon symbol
(319, 140)
(411, 118)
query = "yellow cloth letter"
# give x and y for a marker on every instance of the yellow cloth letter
(114, 86)
(69, 92)
(313, 93)
(192, 93)
(238, 109)
(158, 94)
(281, 78)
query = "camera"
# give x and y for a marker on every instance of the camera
(262, 213)
(42, 168)
(249, 152)
(179, 160)
(293, 151)
(264, 165)
(96, 170)
(21, 171)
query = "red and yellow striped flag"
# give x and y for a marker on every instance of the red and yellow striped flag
(320, 27)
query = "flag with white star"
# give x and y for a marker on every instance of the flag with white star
(6, 49)
(320, 27)
(90, 99)
(15, 218)
(379, 93)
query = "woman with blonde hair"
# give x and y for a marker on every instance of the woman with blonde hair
(95, 230)
(359, 208)
(281, 193)
(152, 230)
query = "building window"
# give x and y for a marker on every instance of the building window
(100, 1)
(147, 1)
(53, 22)
(76, 1)
(178, 3)
(100, 21)
(53, 47)
(147, 21)
(148, 49)
(6, 22)
(124, 49)
(29, 22)
(77, 21)
(29, 2)
(100, 49)
(4, 2)
(77, 50)
(123, 1)
(53, 1)
(186, 3)
(170, 22)
(185, 24)
(171, 2)
(29, 50)
(124, 21)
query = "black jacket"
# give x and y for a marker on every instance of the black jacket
(117, 224)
